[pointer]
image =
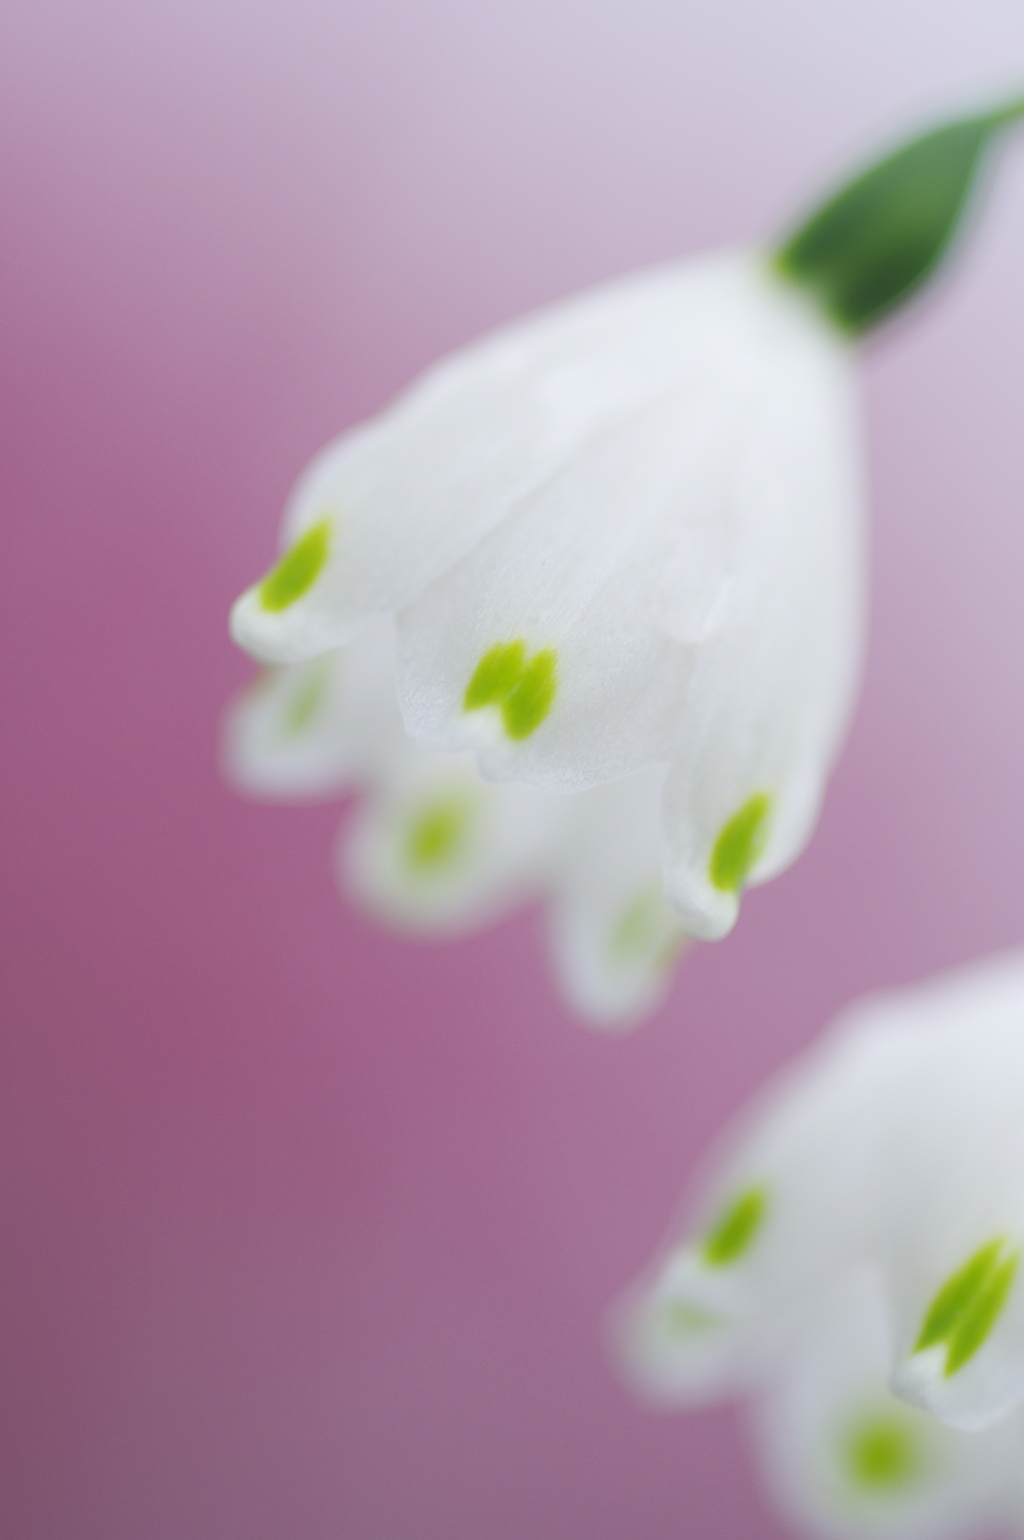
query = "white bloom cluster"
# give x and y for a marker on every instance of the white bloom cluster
(581, 615)
(434, 849)
(855, 1265)
(621, 537)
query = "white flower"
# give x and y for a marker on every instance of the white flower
(433, 849)
(893, 1152)
(621, 536)
(626, 532)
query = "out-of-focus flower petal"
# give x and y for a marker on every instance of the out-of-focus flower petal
(791, 1206)
(955, 1232)
(441, 852)
(899, 1144)
(624, 533)
(320, 727)
(614, 937)
(433, 849)
(845, 1459)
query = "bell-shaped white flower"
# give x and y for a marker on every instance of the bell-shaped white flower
(431, 848)
(897, 1144)
(626, 534)
(614, 939)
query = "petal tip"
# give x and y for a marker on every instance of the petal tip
(259, 634)
(707, 914)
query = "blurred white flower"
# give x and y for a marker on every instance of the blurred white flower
(893, 1153)
(432, 848)
(621, 534)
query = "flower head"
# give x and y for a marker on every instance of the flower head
(433, 849)
(626, 533)
(890, 1161)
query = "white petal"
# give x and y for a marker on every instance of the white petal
(955, 1223)
(439, 851)
(614, 938)
(407, 496)
(576, 575)
(770, 695)
(661, 560)
(787, 1214)
(680, 1343)
(313, 728)
(844, 1459)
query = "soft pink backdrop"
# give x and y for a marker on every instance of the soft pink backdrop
(308, 1231)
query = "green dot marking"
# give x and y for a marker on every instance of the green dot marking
(682, 1319)
(436, 835)
(882, 1454)
(739, 844)
(297, 570)
(736, 1228)
(966, 1308)
(495, 676)
(523, 690)
(307, 698)
(647, 932)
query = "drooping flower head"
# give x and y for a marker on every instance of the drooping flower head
(860, 1244)
(626, 534)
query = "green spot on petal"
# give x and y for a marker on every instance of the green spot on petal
(530, 699)
(883, 1454)
(647, 932)
(306, 699)
(682, 1319)
(639, 928)
(297, 570)
(735, 1230)
(956, 1294)
(966, 1308)
(437, 834)
(495, 676)
(523, 690)
(739, 844)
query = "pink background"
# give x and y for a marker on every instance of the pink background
(309, 1232)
